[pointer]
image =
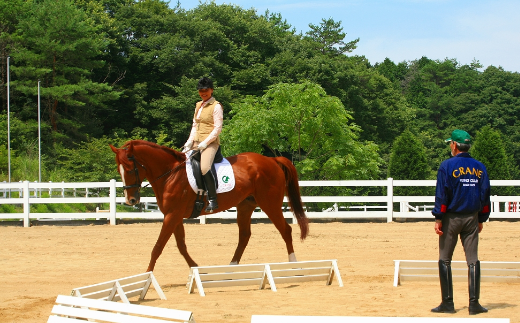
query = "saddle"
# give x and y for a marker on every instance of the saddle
(197, 173)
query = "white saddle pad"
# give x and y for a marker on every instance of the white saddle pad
(225, 176)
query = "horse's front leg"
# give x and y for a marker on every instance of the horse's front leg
(166, 232)
(181, 244)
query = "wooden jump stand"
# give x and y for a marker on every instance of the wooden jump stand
(263, 274)
(121, 289)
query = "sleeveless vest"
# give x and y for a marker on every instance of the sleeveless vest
(204, 124)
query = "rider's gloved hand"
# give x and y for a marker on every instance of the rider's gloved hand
(203, 145)
(187, 146)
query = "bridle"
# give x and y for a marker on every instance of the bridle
(138, 181)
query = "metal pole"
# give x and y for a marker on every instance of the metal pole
(39, 139)
(39, 143)
(8, 127)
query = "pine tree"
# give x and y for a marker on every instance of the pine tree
(489, 148)
(58, 44)
(408, 162)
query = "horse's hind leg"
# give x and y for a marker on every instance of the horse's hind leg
(244, 211)
(275, 214)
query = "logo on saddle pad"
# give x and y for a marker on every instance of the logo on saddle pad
(225, 179)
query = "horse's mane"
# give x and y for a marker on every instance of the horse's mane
(179, 156)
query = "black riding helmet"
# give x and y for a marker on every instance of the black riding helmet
(205, 83)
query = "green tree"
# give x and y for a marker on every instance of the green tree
(24, 148)
(393, 72)
(498, 106)
(59, 44)
(408, 162)
(329, 35)
(90, 161)
(170, 49)
(489, 149)
(302, 122)
(10, 12)
(379, 109)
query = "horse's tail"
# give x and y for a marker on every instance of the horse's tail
(292, 189)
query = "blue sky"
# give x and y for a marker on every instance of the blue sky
(404, 30)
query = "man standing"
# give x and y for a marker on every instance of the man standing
(462, 205)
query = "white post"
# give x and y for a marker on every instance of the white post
(112, 202)
(390, 203)
(26, 205)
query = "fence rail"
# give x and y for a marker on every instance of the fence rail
(28, 193)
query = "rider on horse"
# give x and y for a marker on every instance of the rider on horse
(207, 125)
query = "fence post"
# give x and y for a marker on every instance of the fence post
(390, 203)
(112, 202)
(26, 205)
(496, 206)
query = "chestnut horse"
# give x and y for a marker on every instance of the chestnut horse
(259, 181)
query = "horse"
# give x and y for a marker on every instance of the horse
(259, 181)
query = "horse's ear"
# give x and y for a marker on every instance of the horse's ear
(114, 149)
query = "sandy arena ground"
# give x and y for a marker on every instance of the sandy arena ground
(40, 262)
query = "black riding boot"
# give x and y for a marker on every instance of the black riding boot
(474, 289)
(211, 188)
(447, 305)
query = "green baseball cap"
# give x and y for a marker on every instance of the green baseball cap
(460, 136)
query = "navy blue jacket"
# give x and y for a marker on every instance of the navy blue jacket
(462, 187)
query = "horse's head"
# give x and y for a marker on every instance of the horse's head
(132, 172)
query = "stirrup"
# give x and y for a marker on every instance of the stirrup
(199, 205)
(212, 205)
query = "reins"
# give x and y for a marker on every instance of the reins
(136, 170)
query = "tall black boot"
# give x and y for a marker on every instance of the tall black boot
(474, 289)
(211, 188)
(445, 278)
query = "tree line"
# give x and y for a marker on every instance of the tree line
(114, 70)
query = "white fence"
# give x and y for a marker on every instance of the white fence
(28, 194)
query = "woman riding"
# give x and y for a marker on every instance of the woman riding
(204, 136)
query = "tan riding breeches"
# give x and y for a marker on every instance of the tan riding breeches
(207, 156)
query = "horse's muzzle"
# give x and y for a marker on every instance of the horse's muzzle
(132, 201)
